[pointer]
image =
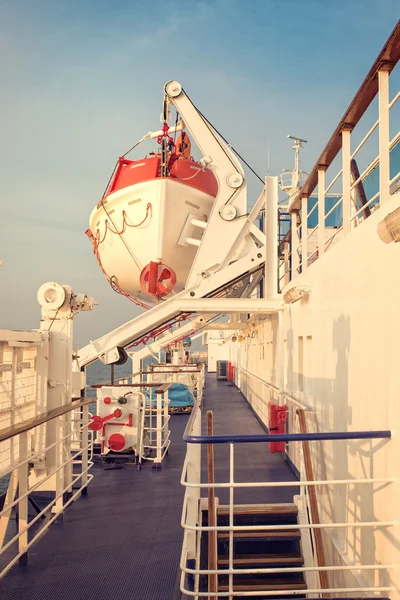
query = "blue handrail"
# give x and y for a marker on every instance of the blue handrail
(279, 437)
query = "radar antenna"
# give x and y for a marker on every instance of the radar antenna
(290, 181)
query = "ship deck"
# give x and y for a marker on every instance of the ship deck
(123, 540)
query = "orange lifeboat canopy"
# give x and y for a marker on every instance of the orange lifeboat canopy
(183, 146)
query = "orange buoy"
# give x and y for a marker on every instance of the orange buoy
(157, 279)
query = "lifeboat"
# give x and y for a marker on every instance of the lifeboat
(147, 228)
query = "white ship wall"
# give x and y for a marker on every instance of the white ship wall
(217, 348)
(341, 359)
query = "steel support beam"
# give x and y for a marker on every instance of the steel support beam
(231, 305)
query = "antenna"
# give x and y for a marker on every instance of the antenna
(268, 155)
(292, 179)
(297, 139)
(297, 147)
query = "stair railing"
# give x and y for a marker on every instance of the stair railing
(194, 504)
(313, 503)
(212, 512)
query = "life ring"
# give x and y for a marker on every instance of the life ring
(157, 279)
(183, 145)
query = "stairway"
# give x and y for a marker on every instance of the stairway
(258, 549)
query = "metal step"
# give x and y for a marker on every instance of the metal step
(262, 583)
(263, 560)
(259, 509)
(272, 534)
(258, 514)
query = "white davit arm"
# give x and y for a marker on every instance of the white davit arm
(224, 223)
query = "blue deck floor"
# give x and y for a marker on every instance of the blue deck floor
(253, 462)
(123, 540)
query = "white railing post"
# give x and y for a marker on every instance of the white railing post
(9, 499)
(66, 452)
(304, 234)
(165, 419)
(321, 211)
(346, 179)
(84, 447)
(271, 231)
(281, 357)
(23, 487)
(59, 475)
(193, 475)
(295, 244)
(231, 500)
(158, 460)
(384, 136)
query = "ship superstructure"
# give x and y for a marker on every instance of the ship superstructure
(295, 491)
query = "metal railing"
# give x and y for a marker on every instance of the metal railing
(190, 375)
(194, 502)
(352, 206)
(156, 424)
(154, 415)
(65, 459)
(153, 419)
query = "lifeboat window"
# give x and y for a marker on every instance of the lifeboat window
(134, 201)
(138, 165)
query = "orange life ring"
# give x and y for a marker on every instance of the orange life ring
(157, 279)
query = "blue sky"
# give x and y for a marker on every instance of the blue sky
(82, 82)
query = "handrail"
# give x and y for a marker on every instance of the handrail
(278, 437)
(76, 448)
(193, 525)
(190, 370)
(164, 387)
(275, 388)
(270, 385)
(134, 384)
(212, 513)
(177, 369)
(388, 57)
(312, 493)
(10, 432)
(193, 366)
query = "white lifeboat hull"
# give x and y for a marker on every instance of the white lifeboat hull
(148, 222)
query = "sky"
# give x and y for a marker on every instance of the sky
(82, 81)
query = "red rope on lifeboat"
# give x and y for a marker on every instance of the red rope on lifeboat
(95, 239)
